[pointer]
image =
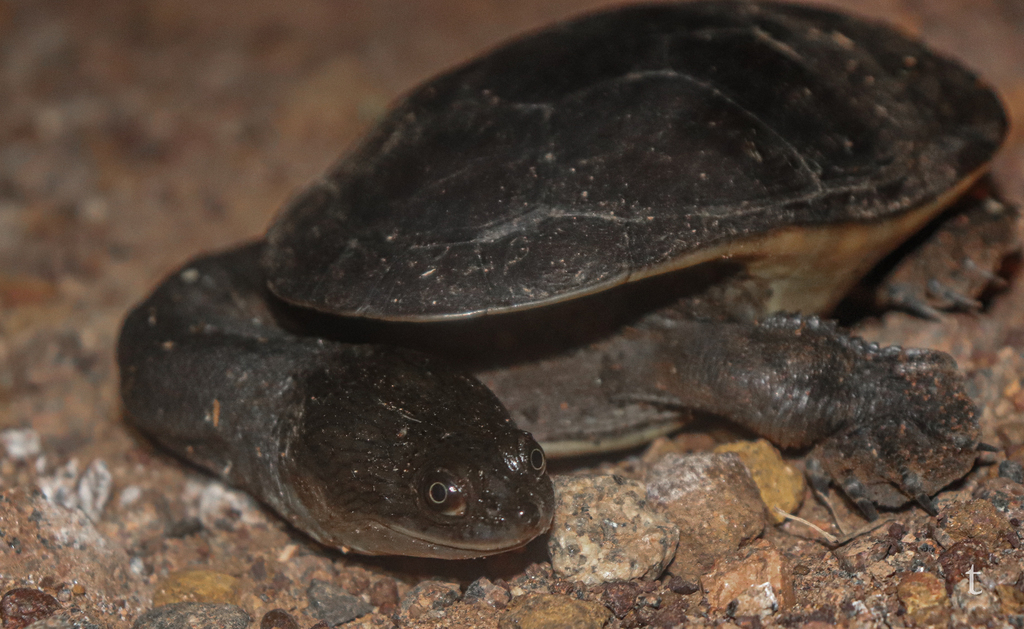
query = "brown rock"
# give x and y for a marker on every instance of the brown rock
(383, 591)
(604, 530)
(923, 594)
(334, 604)
(21, 607)
(619, 597)
(550, 611)
(278, 619)
(196, 586)
(756, 584)
(779, 483)
(427, 599)
(1011, 599)
(536, 579)
(1006, 495)
(978, 520)
(670, 612)
(714, 502)
(484, 591)
(861, 553)
(960, 558)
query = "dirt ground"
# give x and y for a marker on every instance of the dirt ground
(135, 135)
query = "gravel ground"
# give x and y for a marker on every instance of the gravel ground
(136, 135)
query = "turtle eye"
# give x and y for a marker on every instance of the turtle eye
(538, 461)
(444, 494)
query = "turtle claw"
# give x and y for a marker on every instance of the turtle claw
(901, 298)
(919, 434)
(867, 509)
(912, 485)
(859, 494)
(817, 476)
(926, 503)
(955, 298)
(985, 447)
(990, 277)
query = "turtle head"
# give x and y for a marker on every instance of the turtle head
(410, 457)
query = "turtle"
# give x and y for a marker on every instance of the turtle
(614, 222)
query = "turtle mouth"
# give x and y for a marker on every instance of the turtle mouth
(467, 537)
(424, 544)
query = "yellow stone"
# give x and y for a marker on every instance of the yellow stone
(778, 482)
(923, 594)
(1011, 599)
(551, 611)
(196, 586)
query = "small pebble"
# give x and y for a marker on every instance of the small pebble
(129, 496)
(679, 585)
(60, 488)
(334, 605)
(537, 578)
(94, 489)
(858, 555)
(194, 616)
(778, 482)
(21, 444)
(482, 590)
(550, 611)
(923, 594)
(757, 583)
(714, 502)
(605, 530)
(427, 597)
(975, 604)
(619, 597)
(961, 558)
(220, 507)
(383, 592)
(278, 619)
(21, 607)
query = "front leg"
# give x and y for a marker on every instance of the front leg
(889, 425)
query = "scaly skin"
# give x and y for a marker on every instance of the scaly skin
(888, 425)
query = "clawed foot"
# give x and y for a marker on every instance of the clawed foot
(936, 296)
(918, 433)
(957, 262)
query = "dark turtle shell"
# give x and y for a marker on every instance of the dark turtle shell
(614, 146)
